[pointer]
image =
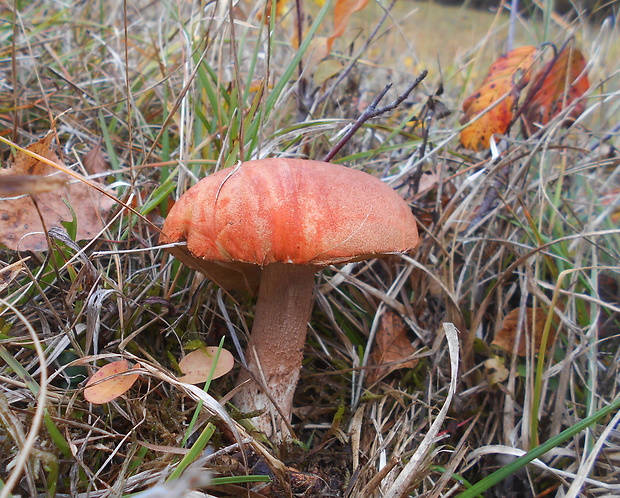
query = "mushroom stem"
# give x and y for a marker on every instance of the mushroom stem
(275, 349)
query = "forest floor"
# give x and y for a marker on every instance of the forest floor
(519, 242)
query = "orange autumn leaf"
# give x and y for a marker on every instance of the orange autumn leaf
(535, 319)
(109, 383)
(280, 4)
(561, 82)
(507, 76)
(343, 10)
(391, 345)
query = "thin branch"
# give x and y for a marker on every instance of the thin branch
(372, 112)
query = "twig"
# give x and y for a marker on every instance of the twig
(299, 19)
(433, 110)
(614, 131)
(491, 199)
(372, 112)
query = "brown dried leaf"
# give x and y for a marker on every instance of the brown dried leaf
(428, 181)
(99, 391)
(197, 365)
(608, 288)
(506, 336)
(608, 291)
(19, 217)
(391, 345)
(94, 162)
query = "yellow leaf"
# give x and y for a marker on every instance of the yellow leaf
(495, 370)
(325, 70)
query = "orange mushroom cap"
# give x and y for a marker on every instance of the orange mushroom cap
(291, 211)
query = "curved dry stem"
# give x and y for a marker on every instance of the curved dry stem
(37, 419)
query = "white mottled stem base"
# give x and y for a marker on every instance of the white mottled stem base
(275, 349)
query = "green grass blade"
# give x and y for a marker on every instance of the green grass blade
(239, 479)
(292, 66)
(501, 474)
(194, 452)
(57, 437)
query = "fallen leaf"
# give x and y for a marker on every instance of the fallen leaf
(326, 70)
(608, 291)
(94, 162)
(317, 51)
(99, 391)
(343, 10)
(428, 180)
(495, 371)
(506, 336)
(19, 219)
(391, 345)
(197, 365)
(507, 76)
(561, 82)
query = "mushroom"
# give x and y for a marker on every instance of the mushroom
(278, 221)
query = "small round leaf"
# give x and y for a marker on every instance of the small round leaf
(197, 365)
(99, 391)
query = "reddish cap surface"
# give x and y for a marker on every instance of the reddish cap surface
(291, 211)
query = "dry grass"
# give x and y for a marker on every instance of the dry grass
(156, 85)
